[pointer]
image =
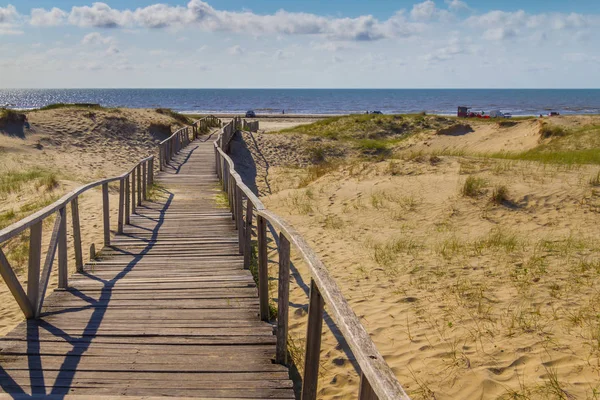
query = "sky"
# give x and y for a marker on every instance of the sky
(300, 44)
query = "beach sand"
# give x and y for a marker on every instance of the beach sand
(465, 298)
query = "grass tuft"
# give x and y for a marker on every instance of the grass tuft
(473, 187)
(500, 195)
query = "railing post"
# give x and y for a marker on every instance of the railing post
(161, 153)
(122, 202)
(144, 180)
(313, 344)
(133, 202)
(127, 199)
(239, 210)
(283, 296)
(248, 235)
(138, 181)
(63, 267)
(366, 391)
(263, 272)
(77, 234)
(106, 214)
(35, 254)
(9, 277)
(151, 172)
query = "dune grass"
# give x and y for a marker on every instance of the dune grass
(13, 181)
(369, 126)
(563, 146)
(184, 119)
(57, 106)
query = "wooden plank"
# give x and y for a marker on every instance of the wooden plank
(45, 277)
(365, 391)
(283, 296)
(263, 269)
(248, 235)
(239, 219)
(133, 197)
(312, 355)
(14, 286)
(144, 181)
(121, 217)
(77, 235)
(63, 267)
(139, 184)
(106, 214)
(33, 272)
(127, 201)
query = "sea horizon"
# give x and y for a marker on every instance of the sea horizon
(518, 102)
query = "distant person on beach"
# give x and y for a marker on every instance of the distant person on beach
(283, 111)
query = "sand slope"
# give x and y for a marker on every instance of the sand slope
(465, 297)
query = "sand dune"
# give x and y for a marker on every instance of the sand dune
(467, 296)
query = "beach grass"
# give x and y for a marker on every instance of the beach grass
(14, 181)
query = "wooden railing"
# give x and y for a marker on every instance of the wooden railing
(181, 138)
(377, 379)
(133, 188)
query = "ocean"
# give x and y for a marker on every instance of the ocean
(318, 101)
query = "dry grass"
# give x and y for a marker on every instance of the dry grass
(15, 181)
(474, 187)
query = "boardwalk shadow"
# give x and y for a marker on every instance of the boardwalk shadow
(246, 168)
(80, 343)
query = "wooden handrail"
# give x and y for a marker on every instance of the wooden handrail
(377, 379)
(19, 226)
(32, 300)
(133, 187)
(182, 137)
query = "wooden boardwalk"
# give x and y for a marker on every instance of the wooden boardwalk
(167, 311)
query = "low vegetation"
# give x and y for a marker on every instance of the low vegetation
(563, 146)
(474, 186)
(14, 181)
(370, 126)
(175, 115)
(57, 106)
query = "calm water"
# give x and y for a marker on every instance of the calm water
(318, 101)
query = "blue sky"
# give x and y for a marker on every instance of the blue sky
(309, 43)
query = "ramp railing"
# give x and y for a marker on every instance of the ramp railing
(134, 186)
(181, 138)
(377, 380)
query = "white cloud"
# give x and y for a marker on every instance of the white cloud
(427, 11)
(96, 38)
(202, 15)
(236, 50)
(424, 11)
(456, 5)
(8, 19)
(499, 33)
(42, 17)
(8, 14)
(99, 15)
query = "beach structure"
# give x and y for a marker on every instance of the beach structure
(169, 306)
